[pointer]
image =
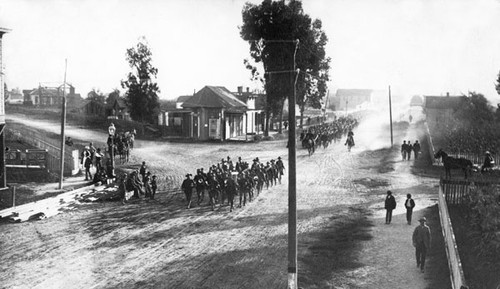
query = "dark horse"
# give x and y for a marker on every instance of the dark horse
(309, 142)
(452, 163)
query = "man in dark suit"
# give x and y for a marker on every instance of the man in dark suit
(422, 242)
(390, 204)
(409, 205)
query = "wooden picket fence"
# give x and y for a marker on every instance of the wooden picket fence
(456, 190)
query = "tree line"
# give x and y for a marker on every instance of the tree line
(287, 51)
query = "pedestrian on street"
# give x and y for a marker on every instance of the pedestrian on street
(87, 165)
(404, 148)
(142, 171)
(188, 186)
(154, 187)
(98, 159)
(416, 149)
(409, 205)
(409, 149)
(390, 204)
(422, 242)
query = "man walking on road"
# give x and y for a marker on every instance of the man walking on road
(404, 149)
(421, 242)
(390, 204)
(409, 205)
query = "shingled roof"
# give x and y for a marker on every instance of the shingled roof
(214, 97)
(443, 102)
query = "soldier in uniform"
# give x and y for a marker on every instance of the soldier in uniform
(154, 186)
(201, 184)
(280, 167)
(188, 186)
(231, 190)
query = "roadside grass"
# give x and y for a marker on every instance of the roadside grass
(326, 256)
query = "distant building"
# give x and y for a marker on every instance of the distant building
(440, 109)
(14, 96)
(351, 99)
(215, 113)
(52, 96)
(119, 109)
(254, 116)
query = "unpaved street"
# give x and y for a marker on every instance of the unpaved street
(160, 244)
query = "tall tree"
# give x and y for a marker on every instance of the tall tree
(114, 95)
(96, 95)
(142, 90)
(497, 84)
(271, 29)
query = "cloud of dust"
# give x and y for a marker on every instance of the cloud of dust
(373, 132)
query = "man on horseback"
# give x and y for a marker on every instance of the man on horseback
(488, 162)
(350, 140)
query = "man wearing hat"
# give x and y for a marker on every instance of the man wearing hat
(389, 205)
(416, 149)
(488, 162)
(422, 242)
(280, 167)
(188, 186)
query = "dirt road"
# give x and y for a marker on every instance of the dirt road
(343, 241)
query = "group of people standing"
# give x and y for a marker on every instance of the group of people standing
(408, 148)
(421, 237)
(140, 181)
(226, 180)
(93, 157)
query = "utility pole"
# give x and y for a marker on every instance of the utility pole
(63, 124)
(390, 115)
(292, 182)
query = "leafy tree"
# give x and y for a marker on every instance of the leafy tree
(497, 84)
(272, 29)
(142, 90)
(114, 95)
(476, 110)
(96, 95)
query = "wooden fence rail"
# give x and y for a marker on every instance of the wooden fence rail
(455, 265)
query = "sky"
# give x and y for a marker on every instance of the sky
(417, 47)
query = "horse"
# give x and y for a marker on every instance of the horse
(349, 143)
(453, 163)
(310, 145)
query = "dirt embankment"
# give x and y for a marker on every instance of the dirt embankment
(343, 242)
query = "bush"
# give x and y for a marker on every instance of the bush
(484, 217)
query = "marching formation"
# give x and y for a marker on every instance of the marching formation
(324, 134)
(227, 180)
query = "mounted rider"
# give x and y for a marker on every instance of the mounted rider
(488, 162)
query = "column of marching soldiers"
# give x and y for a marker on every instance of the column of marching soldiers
(226, 179)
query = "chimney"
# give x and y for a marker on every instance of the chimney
(447, 94)
(240, 89)
(71, 90)
(248, 89)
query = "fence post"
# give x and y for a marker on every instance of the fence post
(13, 196)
